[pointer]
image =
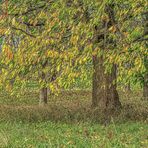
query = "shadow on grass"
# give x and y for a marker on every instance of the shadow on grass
(71, 107)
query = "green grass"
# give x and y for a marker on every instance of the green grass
(82, 135)
(69, 121)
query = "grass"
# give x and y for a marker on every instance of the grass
(69, 106)
(69, 121)
(82, 135)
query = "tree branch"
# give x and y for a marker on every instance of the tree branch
(141, 38)
(32, 9)
(19, 29)
(33, 25)
(28, 11)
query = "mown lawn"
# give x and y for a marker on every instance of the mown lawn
(82, 135)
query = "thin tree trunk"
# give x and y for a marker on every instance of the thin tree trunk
(43, 92)
(128, 87)
(43, 96)
(145, 87)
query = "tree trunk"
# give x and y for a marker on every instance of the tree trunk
(43, 96)
(128, 87)
(145, 87)
(104, 94)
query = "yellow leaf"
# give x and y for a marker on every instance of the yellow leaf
(112, 29)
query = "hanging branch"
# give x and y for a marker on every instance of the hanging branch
(19, 29)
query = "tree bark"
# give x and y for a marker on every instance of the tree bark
(104, 92)
(43, 97)
(145, 87)
(128, 87)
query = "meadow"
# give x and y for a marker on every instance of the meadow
(73, 74)
(69, 121)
